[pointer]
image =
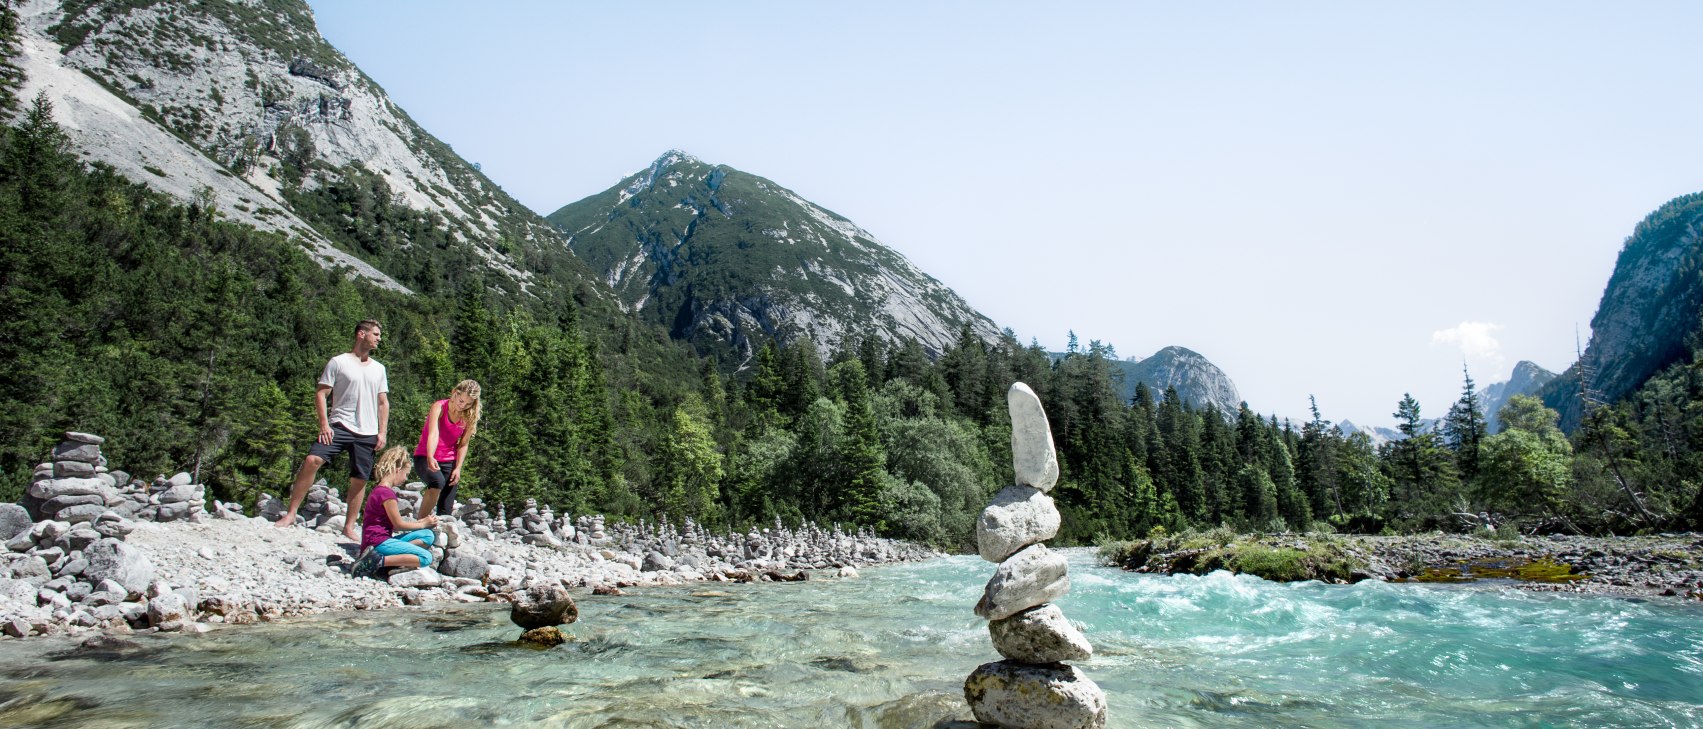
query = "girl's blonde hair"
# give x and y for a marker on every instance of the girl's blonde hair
(393, 459)
(469, 416)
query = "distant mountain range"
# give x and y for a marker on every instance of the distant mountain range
(1528, 378)
(1199, 382)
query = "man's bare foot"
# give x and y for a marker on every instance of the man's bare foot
(353, 535)
(286, 520)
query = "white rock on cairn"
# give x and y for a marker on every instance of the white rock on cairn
(1031, 688)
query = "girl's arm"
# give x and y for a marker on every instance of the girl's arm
(432, 436)
(407, 524)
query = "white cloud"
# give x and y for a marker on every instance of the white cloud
(1476, 339)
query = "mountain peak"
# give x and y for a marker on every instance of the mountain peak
(673, 157)
(728, 260)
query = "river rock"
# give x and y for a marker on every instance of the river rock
(1018, 517)
(542, 606)
(82, 452)
(66, 487)
(545, 637)
(1032, 576)
(33, 570)
(88, 438)
(1050, 696)
(176, 494)
(656, 562)
(1039, 635)
(110, 559)
(14, 519)
(73, 469)
(422, 578)
(469, 566)
(165, 609)
(82, 513)
(1032, 454)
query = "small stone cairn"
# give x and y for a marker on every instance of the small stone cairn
(1033, 687)
(321, 508)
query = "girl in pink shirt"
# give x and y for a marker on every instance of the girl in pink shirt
(443, 444)
(389, 539)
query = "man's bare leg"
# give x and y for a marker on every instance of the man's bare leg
(351, 521)
(428, 502)
(304, 479)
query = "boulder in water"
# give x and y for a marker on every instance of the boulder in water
(542, 606)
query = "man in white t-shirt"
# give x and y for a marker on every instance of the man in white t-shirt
(356, 421)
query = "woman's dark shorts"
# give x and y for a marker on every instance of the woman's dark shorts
(438, 479)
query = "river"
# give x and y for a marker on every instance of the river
(891, 649)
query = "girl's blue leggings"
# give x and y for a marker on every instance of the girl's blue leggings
(400, 544)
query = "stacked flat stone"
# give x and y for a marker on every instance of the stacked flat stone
(1033, 687)
(535, 526)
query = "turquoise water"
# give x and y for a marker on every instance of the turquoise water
(891, 649)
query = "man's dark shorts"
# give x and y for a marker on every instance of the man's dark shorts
(360, 448)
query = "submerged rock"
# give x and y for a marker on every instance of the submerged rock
(546, 636)
(1049, 696)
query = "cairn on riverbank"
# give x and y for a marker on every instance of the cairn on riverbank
(1033, 687)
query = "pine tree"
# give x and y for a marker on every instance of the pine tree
(1316, 463)
(1464, 427)
(862, 460)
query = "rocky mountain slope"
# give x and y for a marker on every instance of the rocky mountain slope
(1527, 378)
(107, 128)
(1199, 382)
(1649, 308)
(245, 99)
(728, 260)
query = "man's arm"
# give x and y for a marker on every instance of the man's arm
(383, 419)
(319, 394)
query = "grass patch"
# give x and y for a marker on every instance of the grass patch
(1220, 549)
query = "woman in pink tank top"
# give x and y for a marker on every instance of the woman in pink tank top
(443, 444)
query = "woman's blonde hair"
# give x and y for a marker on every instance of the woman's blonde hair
(393, 459)
(469, 416)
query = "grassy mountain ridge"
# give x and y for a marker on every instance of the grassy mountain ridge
(728, 260)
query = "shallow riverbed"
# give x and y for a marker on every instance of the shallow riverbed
(891, 649)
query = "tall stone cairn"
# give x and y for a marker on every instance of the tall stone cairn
(1032, 688)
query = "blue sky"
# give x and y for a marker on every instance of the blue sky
(1341, 199)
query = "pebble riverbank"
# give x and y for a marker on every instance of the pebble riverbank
(90, 549)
